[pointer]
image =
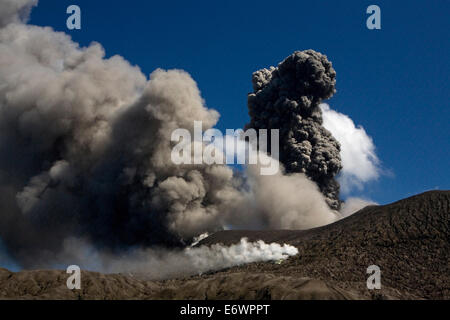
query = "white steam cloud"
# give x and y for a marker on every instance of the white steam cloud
(160, 264)
(359, 160)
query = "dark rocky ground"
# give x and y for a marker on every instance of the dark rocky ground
(408, 240)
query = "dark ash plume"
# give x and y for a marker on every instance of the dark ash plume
(287, 98)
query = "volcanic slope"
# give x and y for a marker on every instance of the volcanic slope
(408, 240)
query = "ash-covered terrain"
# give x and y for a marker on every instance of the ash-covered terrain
(408, 240)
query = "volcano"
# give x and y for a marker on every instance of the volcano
(408, 240)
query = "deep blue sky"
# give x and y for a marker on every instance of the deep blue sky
(393, 81)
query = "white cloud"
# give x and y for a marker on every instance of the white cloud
(359, 160)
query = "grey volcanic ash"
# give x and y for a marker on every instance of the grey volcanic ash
(85, 150)
(287, 98)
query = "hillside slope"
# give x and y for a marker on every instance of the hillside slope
(408, 240)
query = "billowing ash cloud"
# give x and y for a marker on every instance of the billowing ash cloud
(85, 148)
(85, 158)
(15, 10)
(287, 98)
(85, 154)
(353, 204)
(270, 203)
